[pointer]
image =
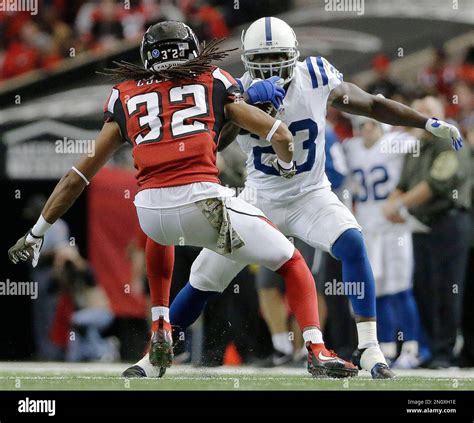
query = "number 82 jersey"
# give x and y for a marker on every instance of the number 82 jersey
(173, 126)
(304, 111)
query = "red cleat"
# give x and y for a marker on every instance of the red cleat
(161, 346)
(326, 363)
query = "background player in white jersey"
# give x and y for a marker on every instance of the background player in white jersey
(303, 207)
(375, 159)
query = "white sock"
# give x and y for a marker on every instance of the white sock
(410, 347)
(371, 356)
(150, 370)
(313, 335)
(367, 333)
(157, 312)
(282, 343)
(389, 349)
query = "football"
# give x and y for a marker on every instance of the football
(267, 108)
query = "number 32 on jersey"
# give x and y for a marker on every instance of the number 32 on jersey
(148, 109)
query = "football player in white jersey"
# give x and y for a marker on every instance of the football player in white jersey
(375, 159)
(304, 206)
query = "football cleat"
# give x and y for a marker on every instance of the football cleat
(326, 363)
(159, 357)
(372, 360)
(382, 371)
(134, 371)
(161, 346)
(142, 369)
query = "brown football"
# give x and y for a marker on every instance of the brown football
(267, 108)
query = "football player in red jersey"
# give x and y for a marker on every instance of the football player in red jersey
(172, 111)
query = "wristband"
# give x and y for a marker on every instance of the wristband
(40, 228)
(31, 239)
(285, 165)
(81, 175)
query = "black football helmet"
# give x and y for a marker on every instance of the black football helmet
(167, 44)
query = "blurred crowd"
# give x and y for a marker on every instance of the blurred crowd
(449, 79)
(65, 29)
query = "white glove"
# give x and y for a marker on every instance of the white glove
(27, 246)
(284, 170)
(445, 130)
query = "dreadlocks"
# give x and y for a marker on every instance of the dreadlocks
(209, 53)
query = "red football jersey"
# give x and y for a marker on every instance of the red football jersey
(173, 126)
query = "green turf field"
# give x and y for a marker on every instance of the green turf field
(227, 382)
(96, 376)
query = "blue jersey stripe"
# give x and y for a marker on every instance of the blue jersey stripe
(268, 30)
(319, 60)
(314, 80)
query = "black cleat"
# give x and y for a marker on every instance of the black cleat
(379, 371)
(382, 371)
(134, 372)
(159, 357)
(326, 363)
(144, 369)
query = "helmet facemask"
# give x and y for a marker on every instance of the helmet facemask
(272, 62)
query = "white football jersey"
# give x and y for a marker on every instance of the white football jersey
(375, 173)
(304, 111)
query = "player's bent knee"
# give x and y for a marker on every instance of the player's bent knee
(284, 255)
(204, 283)
(292, 260)
(350, 245)
(202, 276)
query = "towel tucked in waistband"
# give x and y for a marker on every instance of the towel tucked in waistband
(215, 211)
